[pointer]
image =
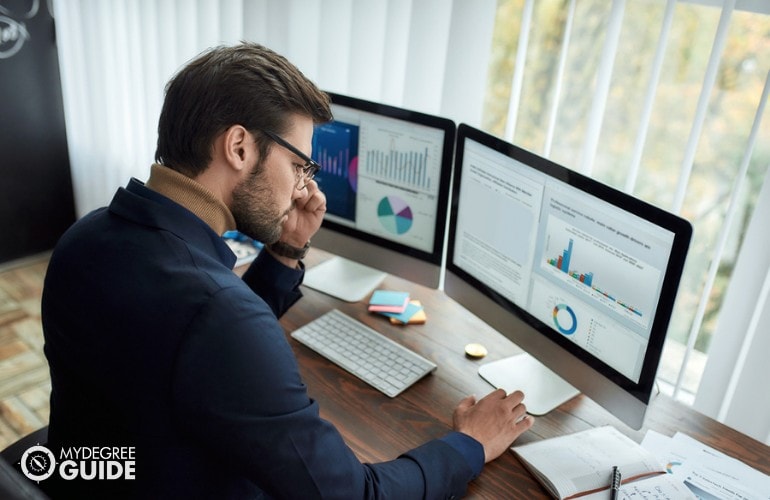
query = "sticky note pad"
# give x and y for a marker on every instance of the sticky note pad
(414, 314)
(388, 301)
(388, 298)
(418, 319)
(390, 308)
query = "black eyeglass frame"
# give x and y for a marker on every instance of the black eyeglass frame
(309, 169)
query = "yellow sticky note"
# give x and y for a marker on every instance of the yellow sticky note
(417, 318)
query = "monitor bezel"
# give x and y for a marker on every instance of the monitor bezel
(352, 243)
(681, 229)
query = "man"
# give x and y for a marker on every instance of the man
(156, 346)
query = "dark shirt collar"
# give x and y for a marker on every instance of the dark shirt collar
(142, 205)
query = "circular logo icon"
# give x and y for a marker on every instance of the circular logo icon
(13, 34)
(38, 463)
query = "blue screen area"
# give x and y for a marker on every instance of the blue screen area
(335, 147)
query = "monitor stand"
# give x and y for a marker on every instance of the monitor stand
(343, 278)
(543, 389)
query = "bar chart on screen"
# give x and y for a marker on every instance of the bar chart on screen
(600, 271)
(395, 155)
(335, 148)
(402, 167)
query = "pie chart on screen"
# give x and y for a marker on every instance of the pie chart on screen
(394, 215)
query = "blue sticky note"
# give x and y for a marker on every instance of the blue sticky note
(405, 316)
(388, 298)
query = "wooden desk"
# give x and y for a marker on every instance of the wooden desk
(379, 428)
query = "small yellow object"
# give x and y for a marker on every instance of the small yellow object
(475, 351)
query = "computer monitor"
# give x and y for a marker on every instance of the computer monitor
(579, 275)
(385, 173)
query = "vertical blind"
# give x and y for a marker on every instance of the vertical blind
(428, 55)
(735, 370)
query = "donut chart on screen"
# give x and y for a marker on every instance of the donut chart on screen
(566, 322)
(394, 215)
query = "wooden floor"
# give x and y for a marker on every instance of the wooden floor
(24, 380)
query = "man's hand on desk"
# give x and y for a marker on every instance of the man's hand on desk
(495, 421)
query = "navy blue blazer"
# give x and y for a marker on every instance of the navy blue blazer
(154, 343)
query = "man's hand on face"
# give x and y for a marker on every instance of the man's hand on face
(306, 217)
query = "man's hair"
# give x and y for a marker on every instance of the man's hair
(245, 84)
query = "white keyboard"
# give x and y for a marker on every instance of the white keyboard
(364, 352)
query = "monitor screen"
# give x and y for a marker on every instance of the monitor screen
(579, 275)
(385, 173)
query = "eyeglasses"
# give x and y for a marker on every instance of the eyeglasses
(306, 172)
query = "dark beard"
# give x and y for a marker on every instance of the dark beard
(254, 215)
(258, 230)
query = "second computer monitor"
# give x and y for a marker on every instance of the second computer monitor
(581, 276)
(385, 173)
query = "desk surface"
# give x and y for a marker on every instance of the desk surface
(379, 428)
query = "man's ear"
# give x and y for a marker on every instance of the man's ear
(238, 146)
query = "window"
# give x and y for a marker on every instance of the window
(654, 98)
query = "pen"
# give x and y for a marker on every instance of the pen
(615, 484)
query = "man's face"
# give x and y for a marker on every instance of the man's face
(262, 201)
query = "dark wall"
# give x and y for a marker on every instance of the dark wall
(36, 201)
